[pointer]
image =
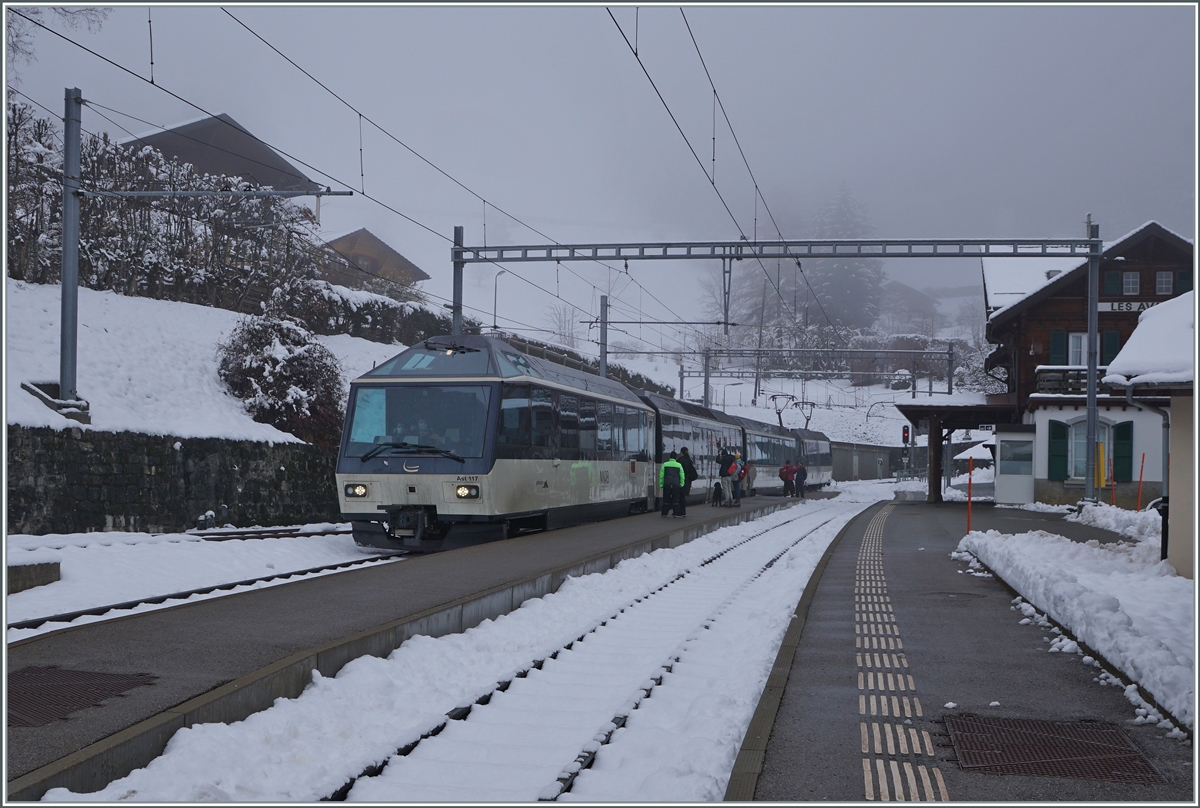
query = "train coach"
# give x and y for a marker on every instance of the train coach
(465, 439)
(817, 455)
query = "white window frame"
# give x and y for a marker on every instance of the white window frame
(1077, 348)
(1131, 281)
(1161, 288)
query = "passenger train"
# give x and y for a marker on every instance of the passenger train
(465, 439)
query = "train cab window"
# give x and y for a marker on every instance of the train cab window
(542, 401)
(514, 417)
(587, 429)
(604, 429)
(568, 427)
(450, 417)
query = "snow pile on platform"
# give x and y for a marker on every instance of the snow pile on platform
(144, 365)
(1140, 525)
(1119, 599)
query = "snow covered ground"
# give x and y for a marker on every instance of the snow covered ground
(680, 747)
(102, 569)
(1119, 599)
(144, 365)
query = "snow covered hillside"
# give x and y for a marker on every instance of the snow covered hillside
(144, 365)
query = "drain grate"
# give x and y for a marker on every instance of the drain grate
(37, 696)
(1081, 750)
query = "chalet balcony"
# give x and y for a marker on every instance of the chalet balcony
(1064, 379)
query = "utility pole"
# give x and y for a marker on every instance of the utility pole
(1093, 304)
(950, 369)
(456, 307)
(680, 396)
(68, 353)
(604, 336)
(707, 373)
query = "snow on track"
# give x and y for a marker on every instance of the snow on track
(307, 748)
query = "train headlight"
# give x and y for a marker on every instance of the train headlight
(467, 491)
(355, 490)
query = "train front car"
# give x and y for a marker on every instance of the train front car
(464, 439)
(817, 456)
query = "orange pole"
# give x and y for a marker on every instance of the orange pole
(1140, 470)
(970, 478)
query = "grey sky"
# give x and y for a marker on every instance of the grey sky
(967, 121)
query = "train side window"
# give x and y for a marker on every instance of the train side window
(604, 428)
(587, 429)
(514, 419)
(543, 417)
(568, 427)
(618, 432)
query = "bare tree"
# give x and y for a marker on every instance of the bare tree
(562, 318)
(22, 22)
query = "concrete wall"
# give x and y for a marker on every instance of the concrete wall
(79, 480)
(1181, 530)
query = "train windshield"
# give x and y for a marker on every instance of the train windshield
(436, 358)
(450, 418)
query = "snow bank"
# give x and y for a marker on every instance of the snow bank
(1119, 599)
(1140, 525)
(144, 365)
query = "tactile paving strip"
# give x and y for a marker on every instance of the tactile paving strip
(37, 696)
(1081, 750)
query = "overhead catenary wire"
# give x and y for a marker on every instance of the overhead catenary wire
(750, 171)
(692, 149)
(280, 151)
(431, 165)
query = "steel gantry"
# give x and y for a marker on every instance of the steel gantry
(1089, 247)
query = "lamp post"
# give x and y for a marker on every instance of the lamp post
(495, 290)
(725, 391)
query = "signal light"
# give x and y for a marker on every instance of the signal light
(906, 433)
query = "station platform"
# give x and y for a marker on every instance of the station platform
(894, 641)
(225, 658)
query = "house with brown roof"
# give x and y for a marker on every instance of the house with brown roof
(219, 145)
(360, 257)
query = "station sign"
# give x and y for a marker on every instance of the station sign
(1126, 305)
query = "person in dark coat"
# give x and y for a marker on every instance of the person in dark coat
(801, 476)
(689, 475)
(670, 478)
(724, 462)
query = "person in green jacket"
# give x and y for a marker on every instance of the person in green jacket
(670, 479)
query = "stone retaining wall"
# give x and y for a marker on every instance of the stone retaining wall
(79, 480)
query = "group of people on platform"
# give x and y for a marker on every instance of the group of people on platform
(678, 472)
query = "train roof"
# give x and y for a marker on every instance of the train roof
(487, 357)
(811, 434)
(665, 404)
(763, 426)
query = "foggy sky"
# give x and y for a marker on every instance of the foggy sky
(946, 122)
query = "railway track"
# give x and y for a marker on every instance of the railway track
(263, 533)
(67, 617)
(521, 725)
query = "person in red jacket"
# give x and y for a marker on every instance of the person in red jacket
(788, 475)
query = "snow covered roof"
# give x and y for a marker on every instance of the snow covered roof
(978, 452)
(1161, 349)
(1012, 284)
(1008, 280)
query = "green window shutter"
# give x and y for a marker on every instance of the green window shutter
(1056, 456)
(1112, 283)
(1183, 281)
(1122, 452)
(1058, 348)
(1109, 347)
